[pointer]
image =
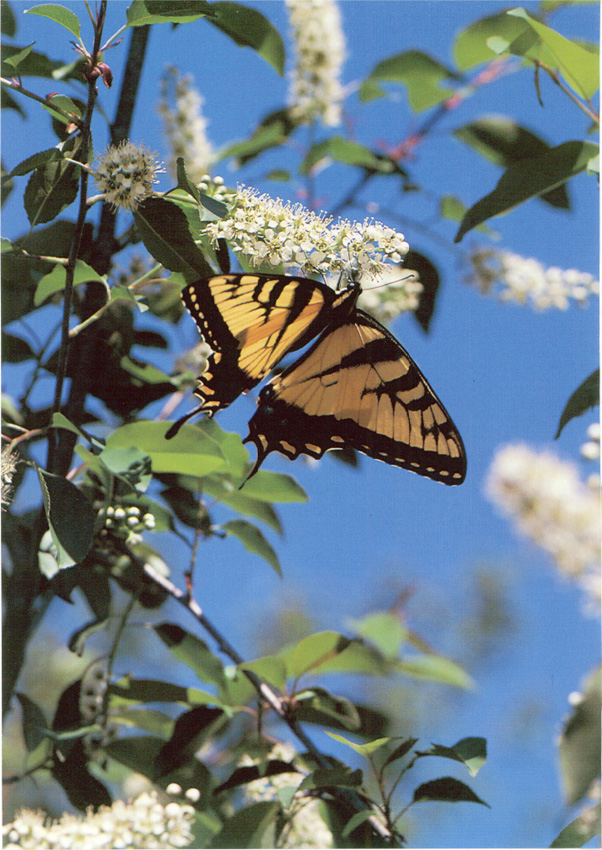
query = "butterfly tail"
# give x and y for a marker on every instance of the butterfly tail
(262, 452)
(177, 425)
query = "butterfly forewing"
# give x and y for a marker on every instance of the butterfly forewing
(251, 322)
(358, 387)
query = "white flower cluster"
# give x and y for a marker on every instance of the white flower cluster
(315, 87)
(185, 127)
(143, 822)
(268, 231)
(125, 174)
(550, 504)
(305, 828)
(591, 449)
(525, 280)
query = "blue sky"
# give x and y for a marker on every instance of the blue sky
(504, 373)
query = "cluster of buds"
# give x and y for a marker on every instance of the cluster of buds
(127, 522)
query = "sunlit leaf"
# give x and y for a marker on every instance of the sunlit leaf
(49, 190)
(54, 281)
(342, 150)
(253, 541)
(329, 777)
(190, 452)
(363, 749)
(470, 751)
(65, 17)
(192, 651)
(420, 73)
(313, 651)
(434, 668)
(382, 629)
(274, 487)
(141, 13)
(471, 48)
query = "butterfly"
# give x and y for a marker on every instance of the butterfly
(355, 387)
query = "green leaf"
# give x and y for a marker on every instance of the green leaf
(401, 750)
(579, 67)
(470, 751)
(35, 161)
(223, 490)
(503, 141)
(330, 777)
(57, 102)
(253, 541)
(342, 150)
(70, 517)
(140, 13)
(148, 719)
(471, 48)
(317, 705)
(365, 750)
(586, 396)
(429, 278)
(312, 652)
(193, 652)
(447, 789)
(65, 17)
(128, 690)
(15, 349)
(270, 669)
(357, 820)
(274, 487)
(140, 754)
(435, 668)
(191, 730)
(384, 630)
(252, 826)
(420, 73)
(528, 179)
(581, 830)
(33, 721)
(191, 452)
(579, 747)
(54, 281)
(130, 464)
(244, 775)
(17, 56)
(164, 229)
(249, 28)
(49, 190)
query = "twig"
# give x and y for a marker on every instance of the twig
(272, 698)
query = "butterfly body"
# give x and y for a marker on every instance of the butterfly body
(355, 387)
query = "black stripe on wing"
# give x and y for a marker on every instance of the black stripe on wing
(357, 387)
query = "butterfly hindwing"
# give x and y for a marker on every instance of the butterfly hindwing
(251, 322)
(357, 387)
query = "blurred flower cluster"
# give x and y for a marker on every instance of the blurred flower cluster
(396, 290)
(305, 827)
(268, 231)
(143, 822)
(315, 87)
(184, 125)
(549, 503)
(125, 174)
(524, 280)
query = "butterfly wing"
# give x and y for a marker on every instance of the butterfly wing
(358, 387)
(251, 321)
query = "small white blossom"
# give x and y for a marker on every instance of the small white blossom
(305, 827)
(525, 280)
(125, 174)
(591, 449)
(315, 86)
(549, 503)
(184, 125)
(144, 823)
(271, 232)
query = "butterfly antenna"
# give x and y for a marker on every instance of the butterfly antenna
(177, 425)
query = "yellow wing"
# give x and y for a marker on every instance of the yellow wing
(251, 321)
(358, 387)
